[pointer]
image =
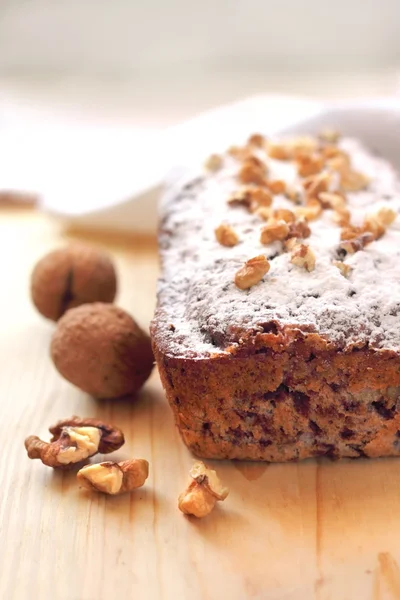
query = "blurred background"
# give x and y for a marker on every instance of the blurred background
(157, 62)
(93, 84)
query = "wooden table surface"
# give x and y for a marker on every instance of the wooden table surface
(316, 530)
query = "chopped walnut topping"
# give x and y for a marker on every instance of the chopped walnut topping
(374, 226)
(316, 184)
(386, 216)
(303, 146)
(226, 235)
(309, 165)
(256, 140)
(214, 162)
(311, 211)
(293, 194)
(333, 200)
(252, 272)
(253, 171)
(285, 214)
(273, 231)
(329, 135)
(351, 232)
(250, 197)
(342, 216)
(299, 229)
(279, 151)
(260, 196)
(336, 159)
(343, 267)
(302, 256)
(358, 243)
(276, 186)
(264, 213)
(290, 243)
(352, 181)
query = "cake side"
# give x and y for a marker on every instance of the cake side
(305, 362)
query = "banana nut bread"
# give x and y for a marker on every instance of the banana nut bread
(277, 329)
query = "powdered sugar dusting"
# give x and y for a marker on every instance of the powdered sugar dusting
(199, 305)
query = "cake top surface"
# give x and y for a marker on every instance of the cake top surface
(201, 310)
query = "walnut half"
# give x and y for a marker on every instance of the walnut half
(74, 440)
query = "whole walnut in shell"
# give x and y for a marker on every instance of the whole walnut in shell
(102, 350)
(72, 276)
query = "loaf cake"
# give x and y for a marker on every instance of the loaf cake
(277, 328)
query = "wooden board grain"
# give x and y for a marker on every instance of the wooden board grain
(318, 530)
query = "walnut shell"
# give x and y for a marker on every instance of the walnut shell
(72, 276)
(102, 350)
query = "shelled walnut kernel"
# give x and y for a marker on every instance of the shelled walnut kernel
(203, 491)
(226, 235)
(274, 230)
(303, 256)
(252, 272)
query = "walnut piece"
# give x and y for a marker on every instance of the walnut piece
(386, 216)
(74, 440)
(252, 272)
(71, 276)
(311, 211)
(273, 231)
(352, 181)
(285, 214)
(333, 200)
(264, 213)
(357, 243)
(257, 140)
(102, 350)
(276, 186)
(214, 162)
(253, 170)
(309, 165)
(299, 229)
(342, 216)
(279, 151)
(226, 235)
(303, 256)
(114, 478)
(343, 267)
(203, 491)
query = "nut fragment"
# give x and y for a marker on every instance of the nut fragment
(276, 186)
(226, 235)
(257, 140)
(251, 197)
(357, 243)
(299, 229)
(71, 276)
(252, 272)
(315, 184)
(273, 231)
(374, 226)
(303, 256)
(279, 151)
(102, 350)
(333, 200)
(73, 441)
(386, 216)
(285, 214)
(114, 478)
(214, 162)
(264, 213)
(311, 211)
(353, 181)
(309, 165)
(253, 170)
(342, 216)
(203, 492)
(344, 268)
